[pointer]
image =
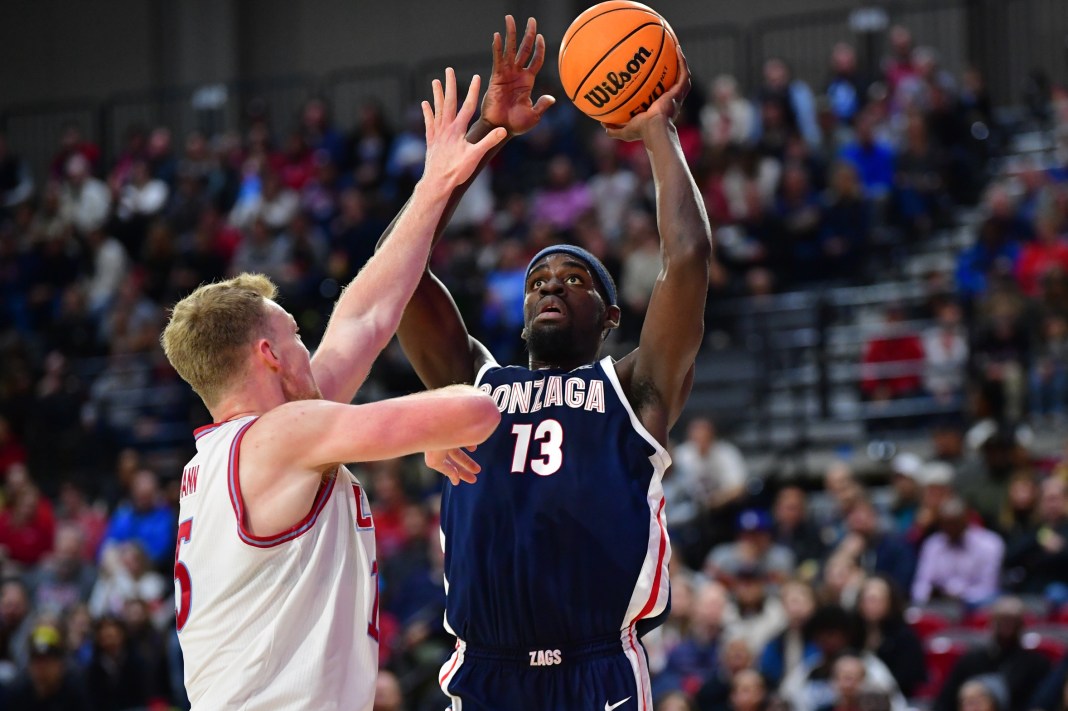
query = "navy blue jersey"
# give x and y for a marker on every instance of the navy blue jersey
(563, 539)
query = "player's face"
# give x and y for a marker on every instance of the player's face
(564, 314)
(297, 380)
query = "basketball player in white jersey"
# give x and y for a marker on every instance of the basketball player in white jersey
(275, 571)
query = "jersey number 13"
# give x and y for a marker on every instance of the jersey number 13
(550, 437)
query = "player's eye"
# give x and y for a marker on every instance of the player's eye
(574, 279)
(537, 283)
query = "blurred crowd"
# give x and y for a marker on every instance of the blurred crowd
(782, 597)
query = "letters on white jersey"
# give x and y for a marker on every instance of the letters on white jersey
(280, 622)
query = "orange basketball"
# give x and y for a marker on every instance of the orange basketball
(616, 59)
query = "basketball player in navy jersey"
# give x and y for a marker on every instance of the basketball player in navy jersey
(556, 559)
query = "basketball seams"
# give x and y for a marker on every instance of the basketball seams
(638, 88)
(613, 48)
(568, 38)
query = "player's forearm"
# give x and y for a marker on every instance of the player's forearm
(684, 230)
(479, 130)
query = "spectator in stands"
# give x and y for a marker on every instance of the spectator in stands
(110, 268)
(1036, 558)
(84, 201)
(797, 210)
(65, 579)
(640, 272)
(674, 701)
(1047, 253)
(565, 198)
(960, 562)
(945, 353)
(72, 142)
(27, 526)
(141, 199)
(295, 164)
(1002, 348)
(262, 251)
(368, 148)
(874, 549)
(736, 657)
(145, 519)
(794, 530)
(873, 159)
(1049, 372)
(611, 187)
(792, 98)
(117, 676)
(847, 91)
(754, 545)
(1020, 514)
(48, 682)
(998, 245)
(388, 696)
(274, 203)
(728, 118)
(761, 616)
(886, 634)
(893, 361)
(918, 188)
(1021, 669)
(794, 645)
(713, 473)
(810, 688)
(898, 65)
(905, 479)
(846, 225)
(749, 691)
(125, 574)
(692, 661)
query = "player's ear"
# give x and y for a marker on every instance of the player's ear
(265, 352)
(611, 317)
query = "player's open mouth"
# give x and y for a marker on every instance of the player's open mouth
(550, 310)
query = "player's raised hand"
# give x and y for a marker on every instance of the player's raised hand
(455, 464)
(448, 154)
(508, 98)
(667, 106)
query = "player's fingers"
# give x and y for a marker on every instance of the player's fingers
(472, 448)
(464, 462)
(509, 37)
(450, 93)
(538, 58)
(469, 477)
(683, 82)
(522, 56)
(439, 98)
(428, 118)
(498, 54)
(491, 139)
(543, 103)
(471, 101)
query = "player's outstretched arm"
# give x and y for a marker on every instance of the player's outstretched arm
(674, 322)
(432, 331)
(369, 310)
(285, 453)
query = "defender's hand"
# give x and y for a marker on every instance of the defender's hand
(455, 464)
(666, 107)
(449, 157)
(507, 102)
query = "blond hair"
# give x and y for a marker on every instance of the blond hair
(208, 330)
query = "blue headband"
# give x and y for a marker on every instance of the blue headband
(591, 261)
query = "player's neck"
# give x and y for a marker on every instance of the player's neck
(560, 363)
(247, 402)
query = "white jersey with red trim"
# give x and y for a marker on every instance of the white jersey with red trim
(283, 622)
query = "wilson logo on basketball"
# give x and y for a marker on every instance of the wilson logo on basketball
(615, 81)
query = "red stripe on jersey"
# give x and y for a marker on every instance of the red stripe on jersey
(651, 603)
(455, 658)
(638, 653)
(237, 501)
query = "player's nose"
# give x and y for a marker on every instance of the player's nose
(552, 285)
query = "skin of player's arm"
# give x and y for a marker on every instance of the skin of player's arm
(674, 322)
(285, 454)
(370, 309)
(432, 331)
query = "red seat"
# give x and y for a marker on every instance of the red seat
(980, 619)
(925, 622)
(941, 654)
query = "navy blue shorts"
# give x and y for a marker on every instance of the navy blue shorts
(607, 674)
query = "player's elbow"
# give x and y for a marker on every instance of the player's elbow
(480, 418)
